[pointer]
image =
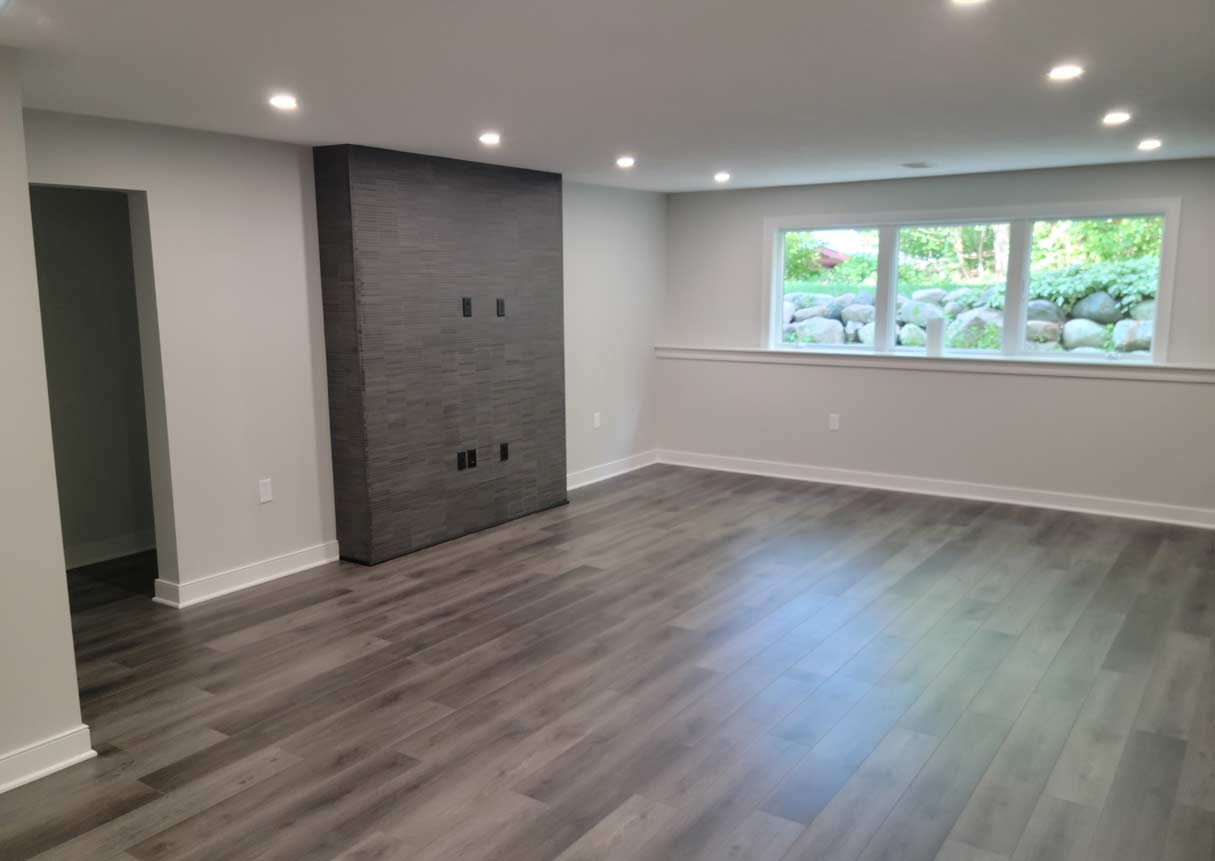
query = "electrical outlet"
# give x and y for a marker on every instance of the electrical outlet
(504, 451)
(472, 458)
(833, 421)
(501, 307)
(265, 491)
(466, 306)
(596, 420)
(461, 460)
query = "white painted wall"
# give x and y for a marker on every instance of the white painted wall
(1119, 439)
(237, 301)
(90, 329)
(615, 266)
(40, 724)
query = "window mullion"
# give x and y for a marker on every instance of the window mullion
(887, 288)
(1016, 290)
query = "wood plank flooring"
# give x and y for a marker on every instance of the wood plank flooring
(680, 664)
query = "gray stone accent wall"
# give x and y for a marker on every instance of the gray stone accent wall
(404, 239)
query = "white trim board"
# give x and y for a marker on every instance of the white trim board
(1022, 366)
(105, 549)
(611, 469)
(1203, 518)
(26, 764)
(179, 595)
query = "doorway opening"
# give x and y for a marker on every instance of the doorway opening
(99, 336)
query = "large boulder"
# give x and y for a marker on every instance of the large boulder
(918, 312)
(912, 335)
(1133, 335)
(1099, 307)
(790, 310)
(1044, 309)
(963, 296)
(805, 300)
(1145, 310)
(978, 328)
(865, 297)
(1042, 331)
(1083, 333)
(820, 330)
(933, 295)
(866, 334)
(857, 314)
(806, 313)
(852, 331)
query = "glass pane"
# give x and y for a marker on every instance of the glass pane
(1092, 286)
(830, 280)
(956, 273)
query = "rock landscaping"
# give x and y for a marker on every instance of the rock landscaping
(974, 320)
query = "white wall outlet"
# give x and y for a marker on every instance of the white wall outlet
(265, 490)
(833, 421)
(596, 420)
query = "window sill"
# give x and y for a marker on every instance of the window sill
(1023, 366)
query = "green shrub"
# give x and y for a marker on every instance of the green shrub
(1127, 281)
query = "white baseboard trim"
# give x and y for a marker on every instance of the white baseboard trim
(611, 469)
(1203, 518)
(92, 552)
(26, 764)
(181, 595)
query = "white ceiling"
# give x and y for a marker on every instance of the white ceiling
(775, 91)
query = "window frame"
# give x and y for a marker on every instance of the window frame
(1021, 219)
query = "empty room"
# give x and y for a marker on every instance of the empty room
(545, 430)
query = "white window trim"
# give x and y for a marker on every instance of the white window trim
(888, 224)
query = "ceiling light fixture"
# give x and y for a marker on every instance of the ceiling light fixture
(626, 161)
(969, 2)
(1149, 144)
(490, 138)
(284, 102)
(1066, 72)
(1116, 118)
(721, 176)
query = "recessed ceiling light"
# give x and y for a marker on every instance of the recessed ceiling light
(1149, 144)
(969, 2)
(626, 161)
(1066, 72)
(490, 138)
(1116, 118)
(284, 102)
(721, 176)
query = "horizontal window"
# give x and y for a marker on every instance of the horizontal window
(1093, 285)
(830, 281)
(1084, 287)
(956, 274)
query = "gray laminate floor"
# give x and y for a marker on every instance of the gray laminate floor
(680, 664)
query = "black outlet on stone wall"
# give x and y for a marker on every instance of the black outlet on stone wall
(501, 307)
(466, 306)
(504, 451)
(472, 458)
(461, 460)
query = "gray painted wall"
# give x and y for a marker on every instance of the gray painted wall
(412, 381)
(86, 289)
